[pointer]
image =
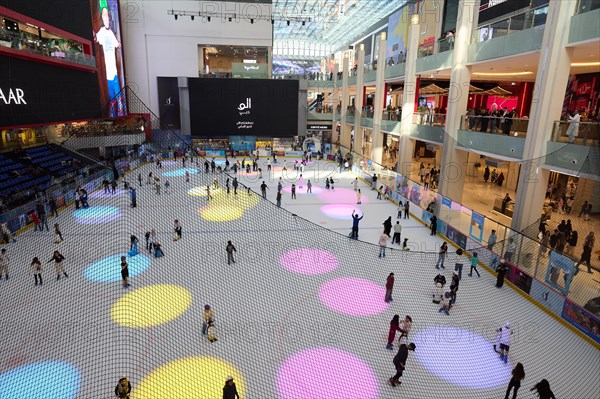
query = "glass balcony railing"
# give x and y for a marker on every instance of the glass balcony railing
(430, 119)
(60, 49)
(580, 133)
(435, 47)
(587, 5)
(531, 18)
(516, 127)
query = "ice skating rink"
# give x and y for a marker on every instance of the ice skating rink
(300, 315)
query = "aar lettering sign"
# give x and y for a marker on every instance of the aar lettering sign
(12, 96)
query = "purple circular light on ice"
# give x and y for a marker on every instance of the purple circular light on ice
(341, 212)
(315, 189)
(353, 296)
(97, 214)
(440, 349)
(326, 373)
(101, 194)
(342, 196)
(309, 261)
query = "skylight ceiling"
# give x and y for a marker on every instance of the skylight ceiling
(330, 22)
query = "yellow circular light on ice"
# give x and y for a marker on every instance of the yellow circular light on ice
(221, 213)
(242, 200)
(151, 306)
(192, 377)
(201, 191)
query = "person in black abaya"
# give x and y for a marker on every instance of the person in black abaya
(502, 270)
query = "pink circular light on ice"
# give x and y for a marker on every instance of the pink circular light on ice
(303, 190)
(326, 373)
(342, 196)
(341, 212)
(309, 261)
(353, 296)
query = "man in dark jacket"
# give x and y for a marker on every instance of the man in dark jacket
(229, 390)
(355, 220)
(400, 362)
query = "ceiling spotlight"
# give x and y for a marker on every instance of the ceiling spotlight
(251, 20)
(208, 18)
(176, 17)
(192, 17)
(288, 23)
(303, 23)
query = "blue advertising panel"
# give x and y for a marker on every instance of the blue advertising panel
(560, 272)
(476, 230)
(584, 320)
(447, 202)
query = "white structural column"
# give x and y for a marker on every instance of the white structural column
(358, 100)
(551, 80)
(378, 106)
(270, 62)
(345, 140)
(335, 100)
(454, 162)
(405, 145)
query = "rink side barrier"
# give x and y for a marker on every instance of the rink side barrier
(578, 320)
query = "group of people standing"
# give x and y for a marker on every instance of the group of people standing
(481, 119)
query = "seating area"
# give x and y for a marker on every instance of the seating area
(24, 172)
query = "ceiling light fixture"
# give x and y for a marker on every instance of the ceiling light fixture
(585, 64)
(502, 73)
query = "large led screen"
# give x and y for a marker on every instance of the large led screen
(36, 93)
(109, 54)
(246, 107)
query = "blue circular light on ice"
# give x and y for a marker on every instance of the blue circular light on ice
(180, 172)
(50, 379)
(108, 270)
(97, 214)
(455, 355)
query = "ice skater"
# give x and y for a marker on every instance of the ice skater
(263, 189)
(397, 233)
(229, 390)
(211, 332)
(125, 271)
(502, 270)
(406, 209)
(440, 282)
(167, 187)
(187, 176)
(177, 230)
(58, 264)
(518, 374)
(400, 363)
(36, 265)
(543, 390)
(230, 249)
(355, 220)
(133, 246)
(383, 240)
(331, 183)
(140, 179)
(208, 316)
(293, 191)
(474, 264)
(158, 252)
(446, 303)
(123, 388)
(504, 341)
(389, 287)
(234, 184)
(461, 259)
(133, 195)
(358, 197)
(442, 256)
(394, 326)
(4, 260)
(58, 234)
(355, 183)
(308, 187)
(208, 196)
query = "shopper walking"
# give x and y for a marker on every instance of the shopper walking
(586, 257)
(58, 264)
(4, 260)
(383, 239)
(36, 266)
(518, 374)
(397, 233)
(125, 271)
(230, 250)
(400, 363)
(442, 256)
(389, 287)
